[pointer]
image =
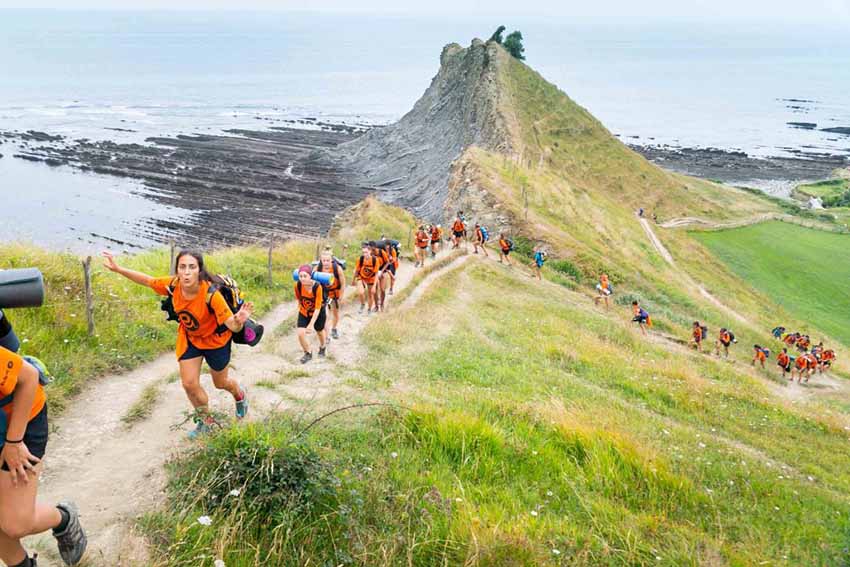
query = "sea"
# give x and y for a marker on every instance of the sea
(128, 75)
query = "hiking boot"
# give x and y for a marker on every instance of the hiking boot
(391, 291)
(242, 405)
(72, 540)
(202, 427)
(361, 308)
(334, 334)
(308, 356)
(322, 351)
(416, 265)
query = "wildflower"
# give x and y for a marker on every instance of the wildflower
(66, 341)
(218, 563)
(702, 445)
(534, 512)
(234, 492)
(458, 500)
(549, 493)
(394, 455)
(25, 341)
(205, 521)
(556, 552)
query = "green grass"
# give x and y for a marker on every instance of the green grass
(142, 407)
(523, 436)
(804, 270)
(824, 189)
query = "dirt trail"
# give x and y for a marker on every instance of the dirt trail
(691, 221)
(115, 472)
(659, 246)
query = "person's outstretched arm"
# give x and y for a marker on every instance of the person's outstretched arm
(135, 277)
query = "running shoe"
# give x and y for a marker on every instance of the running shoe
(361, 308)
(334, 334)
(322, 352)
(308, 356)
(242, 405)
(202, 427)
(72, 540)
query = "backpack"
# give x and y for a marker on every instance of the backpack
(485, 235)
(731, 336)
(250, 334)
(510, 245)
(704, 330)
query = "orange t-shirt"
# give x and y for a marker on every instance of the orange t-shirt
(458, 226)
(10, 368)
(307, 300)
(367, 271)
(197, 323)
(436, 234)
(422, 239)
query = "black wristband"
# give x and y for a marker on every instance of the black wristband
(21, 440)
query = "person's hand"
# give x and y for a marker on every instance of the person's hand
(245, 312)
(20, 461)
(309, 329)
(109, 261)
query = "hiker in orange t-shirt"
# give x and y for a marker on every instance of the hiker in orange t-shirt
(311, 312)
(422, 242)
(458, 230)
(436, 234)
(783, 361)
(205, 333)
(365, 278)
(24, 441)
(760, 355)
(697, 336)
(604, 290)
(336, 289)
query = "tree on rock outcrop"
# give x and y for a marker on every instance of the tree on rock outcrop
(497, 35)
(513, 43)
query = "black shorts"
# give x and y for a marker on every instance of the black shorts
(217, 358)
(391, 269)
(35, 436)
(458, 234)
(639, 319)
(506, 252)
(303, 320)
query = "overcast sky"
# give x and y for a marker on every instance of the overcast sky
(790, 11)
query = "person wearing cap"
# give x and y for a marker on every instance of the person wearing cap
(311, 311)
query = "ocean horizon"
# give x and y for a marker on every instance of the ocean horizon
(126, 76)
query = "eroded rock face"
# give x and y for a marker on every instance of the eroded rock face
(409, 163)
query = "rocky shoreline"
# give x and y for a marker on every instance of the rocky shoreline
(775, 175)
(243, 186)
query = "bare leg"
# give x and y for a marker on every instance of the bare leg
(21, 515)
(190, 377)
(223, 381)
(302, 339)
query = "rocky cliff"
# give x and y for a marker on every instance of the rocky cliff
(409, 163)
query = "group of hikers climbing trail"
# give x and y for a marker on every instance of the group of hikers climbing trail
(212, 314)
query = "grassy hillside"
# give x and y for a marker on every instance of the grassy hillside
(130, 327)
(531, 429)
(804, 270)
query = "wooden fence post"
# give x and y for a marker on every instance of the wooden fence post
(89, 295)
(271, 278)
(171, 261)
